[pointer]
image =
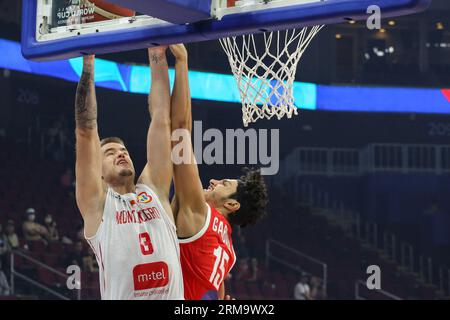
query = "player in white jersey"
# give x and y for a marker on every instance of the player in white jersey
(129, 226)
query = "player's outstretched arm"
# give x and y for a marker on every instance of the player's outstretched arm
(90, 191)
(188, 187)
(159, 170)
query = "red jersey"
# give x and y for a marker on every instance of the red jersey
(207, 258)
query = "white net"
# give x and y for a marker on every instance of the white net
(265, 75)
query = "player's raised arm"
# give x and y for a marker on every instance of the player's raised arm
(188, 186)
(90, 191)
(158, 171)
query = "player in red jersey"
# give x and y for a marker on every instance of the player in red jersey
(204, 218)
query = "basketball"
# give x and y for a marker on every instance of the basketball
(107, 11)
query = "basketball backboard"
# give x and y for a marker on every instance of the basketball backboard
(60, 29)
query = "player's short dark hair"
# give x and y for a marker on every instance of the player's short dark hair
(111, 140)
(252, 196)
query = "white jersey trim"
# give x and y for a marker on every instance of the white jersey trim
(202, 231)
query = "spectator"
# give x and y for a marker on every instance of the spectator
(302, 290)
(317, 290)
(52, 234)
(254, 270)
(33, 231)
(12, 240)
(4, 286)
(76, 256)
(90, 262)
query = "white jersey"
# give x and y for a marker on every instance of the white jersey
(137, 248)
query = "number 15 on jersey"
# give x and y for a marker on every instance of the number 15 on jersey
(219, 267)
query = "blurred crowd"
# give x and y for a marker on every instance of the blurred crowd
(32, 234)
(309, 288)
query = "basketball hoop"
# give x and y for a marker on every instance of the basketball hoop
(265, 77)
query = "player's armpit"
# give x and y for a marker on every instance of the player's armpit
(174, 204)
(145, 177)
(188, 223)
